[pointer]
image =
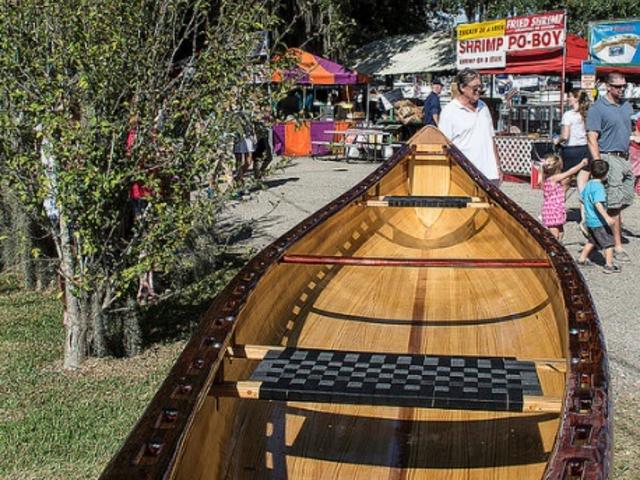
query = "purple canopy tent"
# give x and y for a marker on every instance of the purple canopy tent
(313, 70)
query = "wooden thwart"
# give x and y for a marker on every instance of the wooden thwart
(251, 390)
(391, 379)
(427, 202)
(416, 262)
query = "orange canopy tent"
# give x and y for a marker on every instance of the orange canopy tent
(312, 69)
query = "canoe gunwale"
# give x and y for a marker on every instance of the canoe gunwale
(155, 443)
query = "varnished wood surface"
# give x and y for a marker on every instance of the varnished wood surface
(444, 311)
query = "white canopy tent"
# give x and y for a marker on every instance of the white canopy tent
(405, 54)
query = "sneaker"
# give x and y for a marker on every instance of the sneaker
(622, 256)
(586, 263)
(611, 269)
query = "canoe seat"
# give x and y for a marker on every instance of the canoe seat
(427, 381)
(428, 202)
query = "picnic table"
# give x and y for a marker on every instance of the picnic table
(364, 143)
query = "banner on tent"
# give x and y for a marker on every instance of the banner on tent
(485, 44)
(481, 45)
(615, 43)
(532, 32)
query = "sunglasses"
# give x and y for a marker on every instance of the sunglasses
(477, 89)
(622, 85)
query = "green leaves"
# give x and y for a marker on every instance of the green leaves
(96, 95)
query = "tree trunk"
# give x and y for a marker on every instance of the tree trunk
(99, 346)
(132, 332)
(75, 316)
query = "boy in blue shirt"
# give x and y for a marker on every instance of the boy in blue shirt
(597, 220)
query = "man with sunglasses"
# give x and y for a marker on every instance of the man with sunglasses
(467, 122)
(608, 136)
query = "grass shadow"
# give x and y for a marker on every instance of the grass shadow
(176, 317)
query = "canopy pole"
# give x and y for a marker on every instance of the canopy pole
(564, 71)
(367, 103)
(304, 100)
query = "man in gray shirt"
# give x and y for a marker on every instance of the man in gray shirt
(609, 134)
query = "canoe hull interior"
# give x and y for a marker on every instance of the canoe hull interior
(445, 302)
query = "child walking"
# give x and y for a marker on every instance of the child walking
(554, 212)
(597, 220)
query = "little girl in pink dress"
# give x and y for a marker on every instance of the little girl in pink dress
(554, 212)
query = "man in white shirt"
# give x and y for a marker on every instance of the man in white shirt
(466, 121)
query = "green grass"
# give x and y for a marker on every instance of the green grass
(56, 424)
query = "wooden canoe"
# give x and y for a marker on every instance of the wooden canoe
(420, 326)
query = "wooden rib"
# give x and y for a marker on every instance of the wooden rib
(416, 262)
(251, 390)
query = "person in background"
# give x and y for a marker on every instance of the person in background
(554, 212)
(467, 122)
(432, 104)
(609, 136)
(598, 221)
(140, 194)
(573, 137)
(244, 146)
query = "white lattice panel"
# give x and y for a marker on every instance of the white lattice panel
(515, 154)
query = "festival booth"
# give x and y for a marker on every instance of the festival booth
(536, 122)
(312, 74)
(533, 45)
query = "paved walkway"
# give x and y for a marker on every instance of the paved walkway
(307, 184)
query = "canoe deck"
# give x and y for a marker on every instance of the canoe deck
(444, 311)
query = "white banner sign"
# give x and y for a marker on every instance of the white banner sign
(482, 53)
(545, 30)
(481, 45)
(485, 45)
